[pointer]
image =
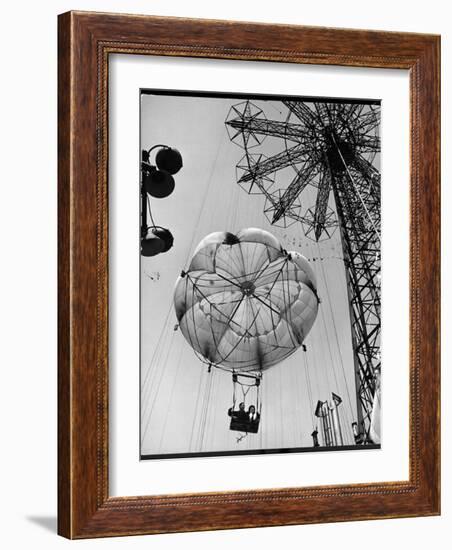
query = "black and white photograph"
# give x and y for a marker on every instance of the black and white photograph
(260, 259)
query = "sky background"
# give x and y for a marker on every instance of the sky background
(184, 408)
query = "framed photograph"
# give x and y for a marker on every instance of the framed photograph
(248, 275)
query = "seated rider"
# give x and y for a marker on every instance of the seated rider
(252, 415)
(241, 415)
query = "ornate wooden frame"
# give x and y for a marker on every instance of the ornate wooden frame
(85, 42)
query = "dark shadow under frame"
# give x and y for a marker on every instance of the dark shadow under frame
(85, 42)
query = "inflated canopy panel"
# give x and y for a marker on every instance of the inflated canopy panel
(245, 304)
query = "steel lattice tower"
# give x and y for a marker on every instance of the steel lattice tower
(332, 147)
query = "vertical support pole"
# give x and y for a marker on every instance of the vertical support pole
(144, 212)
(338, 440)
(315, 438)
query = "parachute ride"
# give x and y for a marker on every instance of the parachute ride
(244, 305)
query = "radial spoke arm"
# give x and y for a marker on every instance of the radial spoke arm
(369, 144)
(321, 204)
(276, 162)
(276, 128)
(295, 187)
(303, 113)
(368, 171)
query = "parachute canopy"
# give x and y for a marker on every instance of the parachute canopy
(245, 304)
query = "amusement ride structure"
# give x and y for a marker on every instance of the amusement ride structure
(328, 150)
